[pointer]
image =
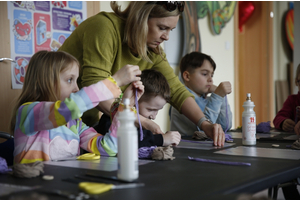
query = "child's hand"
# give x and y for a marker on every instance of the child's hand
(223, 89)
(212, 88)
(297, 128)
(127, 74)
(171, 138)
(288, 125)
(130, 92)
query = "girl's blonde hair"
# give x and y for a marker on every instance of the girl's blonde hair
(297, 73)
(136, 17)
(42, 82)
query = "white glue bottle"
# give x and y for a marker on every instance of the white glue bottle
(128, 168)
(249, 122)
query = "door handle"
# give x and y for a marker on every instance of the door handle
(9, 59)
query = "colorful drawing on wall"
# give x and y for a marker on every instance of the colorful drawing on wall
(289, 27)
(28, 5)
(59, 4)
(42, 31)
(21, 30)
(75, 20)
(58, 39)
(20, 69)
(39, 25)
(220, 12)
(66, 20)
(191, 30)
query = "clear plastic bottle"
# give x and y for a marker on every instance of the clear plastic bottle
(249, 122)
(128, 168)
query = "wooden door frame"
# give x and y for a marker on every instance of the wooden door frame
(239, 95)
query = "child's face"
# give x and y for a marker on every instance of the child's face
(200, 80)
(149, 107)
(68, 81)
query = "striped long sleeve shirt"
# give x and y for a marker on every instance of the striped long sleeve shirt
(54, 130)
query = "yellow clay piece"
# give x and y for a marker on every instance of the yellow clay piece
(88, 156)
(94, 188)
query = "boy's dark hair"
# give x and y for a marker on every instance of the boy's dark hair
(155, 85)
(194, 60)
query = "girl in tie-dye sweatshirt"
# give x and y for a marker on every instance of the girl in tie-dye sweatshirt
(47, 124)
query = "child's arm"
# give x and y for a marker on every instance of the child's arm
(287, 112)
(288, 125)
(225, 115)
(215, 109)
(36, 116)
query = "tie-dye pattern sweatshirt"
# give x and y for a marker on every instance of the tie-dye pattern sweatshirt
(54, 130)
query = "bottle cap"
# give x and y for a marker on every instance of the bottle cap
(126, 102)
(248, 97)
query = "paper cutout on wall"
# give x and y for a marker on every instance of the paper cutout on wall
(28, 5)
(220, 12)
(246, 9)
(22, 30)
(20, 69)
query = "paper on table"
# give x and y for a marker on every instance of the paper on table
(292, 137)
(204, 145)
(261, 152)
(104, 163)
(258, 135)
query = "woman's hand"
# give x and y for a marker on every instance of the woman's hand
(130, 92)
(171, 138)
(127, 74)
(215, 132)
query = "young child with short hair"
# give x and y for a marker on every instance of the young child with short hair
(286, 119)
(197, 70)
(46, 119)
(156, 95)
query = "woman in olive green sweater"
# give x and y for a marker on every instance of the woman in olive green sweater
(106, 42)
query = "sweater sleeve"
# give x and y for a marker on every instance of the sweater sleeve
(286, 112)
(37, 116)
(95, 44)
(215, 110)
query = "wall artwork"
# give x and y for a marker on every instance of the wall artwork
(219, 13)
(39, 25)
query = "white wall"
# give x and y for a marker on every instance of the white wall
(221, 49)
